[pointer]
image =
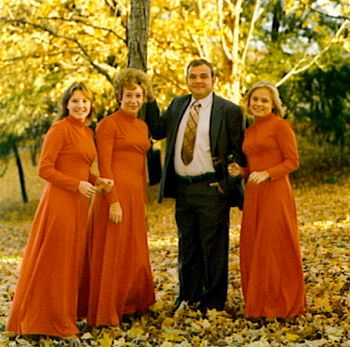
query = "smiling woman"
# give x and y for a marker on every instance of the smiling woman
(51, 276)
(132, 100)
(121, 279)
(76, 100)
(79, 106)
(270, 259)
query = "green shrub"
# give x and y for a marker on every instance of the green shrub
(321, 162)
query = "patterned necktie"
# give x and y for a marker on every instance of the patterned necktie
(190, 133)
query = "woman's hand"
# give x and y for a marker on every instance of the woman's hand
(115, 212)
(87, 189)
(258, 177)
(105, 184)
(235, 170)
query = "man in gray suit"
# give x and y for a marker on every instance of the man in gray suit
(201, 185)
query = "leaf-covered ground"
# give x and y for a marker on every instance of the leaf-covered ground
(324, 219)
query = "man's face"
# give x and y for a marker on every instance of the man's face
(199, 81)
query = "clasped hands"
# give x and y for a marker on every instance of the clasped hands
(254, 177)
(88, 189)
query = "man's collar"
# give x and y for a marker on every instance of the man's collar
(205, 101)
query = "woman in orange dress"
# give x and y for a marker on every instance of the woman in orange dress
(120, 273)
(47, 296)
(270, 259)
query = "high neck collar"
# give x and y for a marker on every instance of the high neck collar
(129, 117)
(264, 119)
(76, 122)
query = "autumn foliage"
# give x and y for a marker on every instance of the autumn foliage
(324, 221)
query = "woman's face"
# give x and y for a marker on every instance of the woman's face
(261, 103)
(79, 106)
(132, 99)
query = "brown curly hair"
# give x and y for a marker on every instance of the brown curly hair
(129, 78)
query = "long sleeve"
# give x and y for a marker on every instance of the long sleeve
(53, 144)
(157, 123)
(92, 178)
(235, 127)
(288, 146)
(105, 134)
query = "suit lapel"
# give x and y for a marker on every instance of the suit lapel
(216, 118)
(181, 111)
(178, 112)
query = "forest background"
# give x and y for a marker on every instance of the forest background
(302, 46)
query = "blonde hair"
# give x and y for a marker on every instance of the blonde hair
(129, 78)
(277, 108)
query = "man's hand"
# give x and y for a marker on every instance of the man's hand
(235, 170)
(217, 185)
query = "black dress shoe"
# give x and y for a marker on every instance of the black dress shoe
(129, 318)
(194, 306)
(177, 304)
(203, 309)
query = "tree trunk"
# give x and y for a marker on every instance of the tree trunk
(34, 148)
(236, 59)
(138, 34)
(20, 173)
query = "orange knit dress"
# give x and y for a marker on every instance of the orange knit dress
(46, 298)
(270, 259)
(120, 273)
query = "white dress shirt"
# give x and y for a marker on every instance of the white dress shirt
(202, 161)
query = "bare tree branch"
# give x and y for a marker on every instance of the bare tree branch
(81, 21)
(200, 49)
(224, 44)
(198, 46)
(35, 56)
(329, 15)
(113, 6)
(236, 61)
(306, 61)
(92, 63)
(230, 5)
(200, 6)
(68, 38)
(251, 30)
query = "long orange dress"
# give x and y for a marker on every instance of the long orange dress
(270, 259)
(51, 275)
(120, 273)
